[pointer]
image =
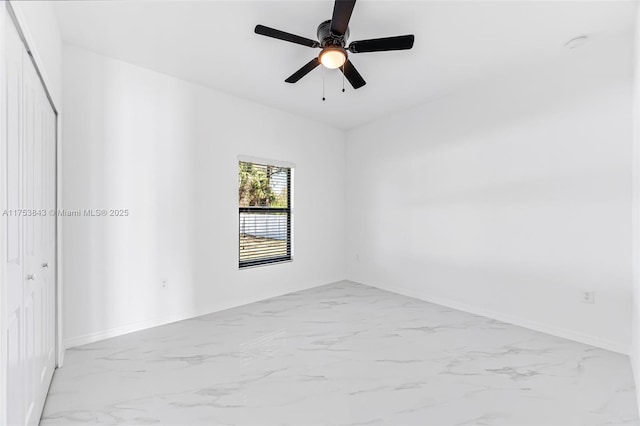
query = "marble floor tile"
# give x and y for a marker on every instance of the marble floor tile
(343, 354)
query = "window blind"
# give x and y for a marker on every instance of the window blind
(264, 193)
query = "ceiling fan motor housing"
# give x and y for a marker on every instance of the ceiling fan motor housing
(327, 38)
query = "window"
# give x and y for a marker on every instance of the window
(265, 213)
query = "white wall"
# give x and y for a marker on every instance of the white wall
(3, 227)
(635, 336)
(167, 150)
(508, 198)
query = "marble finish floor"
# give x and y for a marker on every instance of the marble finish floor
(342, 354)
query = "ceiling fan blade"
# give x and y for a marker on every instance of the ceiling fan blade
(281, 35)
(382, 44)
(352, 74)
(310, 66)
(341, 15)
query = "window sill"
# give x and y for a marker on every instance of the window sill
(260, 265)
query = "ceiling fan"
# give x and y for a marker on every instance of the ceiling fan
(332, 36)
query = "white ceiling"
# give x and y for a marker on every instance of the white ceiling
(457, 42)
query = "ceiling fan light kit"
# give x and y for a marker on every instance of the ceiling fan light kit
(333, 57)
(332, 39)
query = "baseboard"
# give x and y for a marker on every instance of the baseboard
(60, 360)
(636, 378)
(522, 322)
(129, 328)
(143, 325)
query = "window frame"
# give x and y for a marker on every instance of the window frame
(265, 210)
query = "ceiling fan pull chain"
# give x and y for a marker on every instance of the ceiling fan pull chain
(343, 77)
(323, 98)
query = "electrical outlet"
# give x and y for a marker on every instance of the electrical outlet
(164, 284)
(357, 257)
(588, 297)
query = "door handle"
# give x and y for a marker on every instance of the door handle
(45, 265)
(31, 277)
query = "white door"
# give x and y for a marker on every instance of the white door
(16, 360)
(45, 242)
(38, 140)
(31, 236)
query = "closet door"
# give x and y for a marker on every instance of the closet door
(16, 359)
(39, 286)
(32, 300)
(31, 133)
(45, 238)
